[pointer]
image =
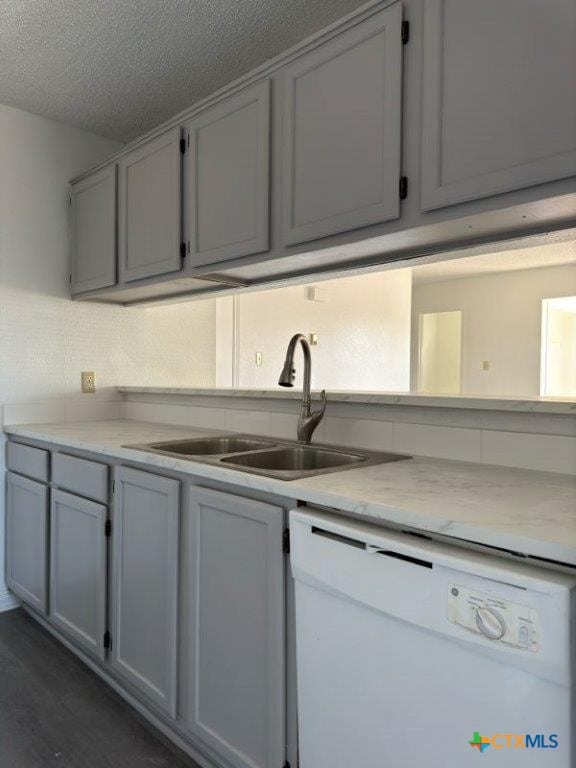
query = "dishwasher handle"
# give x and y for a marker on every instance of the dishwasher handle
(372, 550)
(369, 548)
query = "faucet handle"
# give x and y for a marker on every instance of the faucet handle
(320, 411)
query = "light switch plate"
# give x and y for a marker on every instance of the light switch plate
(88, 382)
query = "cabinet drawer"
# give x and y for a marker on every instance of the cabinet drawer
(86, 478)
(29, 461)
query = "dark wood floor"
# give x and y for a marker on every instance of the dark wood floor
(56, 713)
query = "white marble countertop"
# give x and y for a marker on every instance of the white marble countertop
(521, 510)
(472, 402)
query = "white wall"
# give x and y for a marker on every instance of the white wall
(45, 339)
(501, 323)
(363, 329)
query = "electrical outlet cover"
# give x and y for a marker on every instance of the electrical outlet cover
(88, 382)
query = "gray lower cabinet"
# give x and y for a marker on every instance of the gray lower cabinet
(93, 231)
(150, 208)
(499, 103)
(193, 622)
(27, 540)
(227, 184)
(233, 692)
(28, 461)
(145, 534)
(342, 131)
(78, 565)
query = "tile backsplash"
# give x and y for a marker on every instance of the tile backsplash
(529, 441)
(506, 439)
(54, 411)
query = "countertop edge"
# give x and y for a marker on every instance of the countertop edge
(378, 513)
(506, 404)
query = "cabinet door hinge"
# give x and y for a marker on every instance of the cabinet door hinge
(107, 640)
(182, 146)
(286, 541)
(70, 278)
(182, 250)
(405, 33)
(286, 764)
(403, 188)
(108, 528)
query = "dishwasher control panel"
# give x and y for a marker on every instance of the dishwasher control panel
(493, 617)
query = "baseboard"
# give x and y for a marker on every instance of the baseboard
(8, 602)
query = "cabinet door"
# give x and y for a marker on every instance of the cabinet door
(499, 97)
(93, 231)
(145, 583)
(150, 208)
(78, 569)
(342, 120)
(27, 540)
(227, 178)
(234, 696)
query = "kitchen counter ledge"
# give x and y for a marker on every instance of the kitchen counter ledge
(514, 404)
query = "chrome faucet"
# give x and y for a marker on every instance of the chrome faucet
(308, 420)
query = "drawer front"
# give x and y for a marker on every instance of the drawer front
(86, 478)
(28, 461)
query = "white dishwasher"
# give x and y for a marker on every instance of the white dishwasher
(416, 654)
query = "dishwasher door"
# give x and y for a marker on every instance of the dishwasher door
(412, 653)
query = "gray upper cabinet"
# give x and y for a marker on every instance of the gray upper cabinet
(145, 584)
(234, 691)
(27, 540)
(78, 566)
(150, 208)
(499, 97)
(93, 231)
(342, 131)
(227, 178)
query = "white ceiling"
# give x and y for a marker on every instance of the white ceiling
(554, 255)
(120, 67)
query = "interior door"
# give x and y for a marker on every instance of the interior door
(150, 208)
(342, 131)
(78, 569)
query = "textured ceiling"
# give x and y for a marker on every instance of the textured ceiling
(554, 255)
(120, 67)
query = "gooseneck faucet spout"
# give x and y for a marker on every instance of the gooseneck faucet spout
(308, 420)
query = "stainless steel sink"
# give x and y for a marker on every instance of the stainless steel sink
(293, 462)
(295, 459)
(284, 459)
(208, 446)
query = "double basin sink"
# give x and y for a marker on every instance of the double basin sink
(271, 458)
